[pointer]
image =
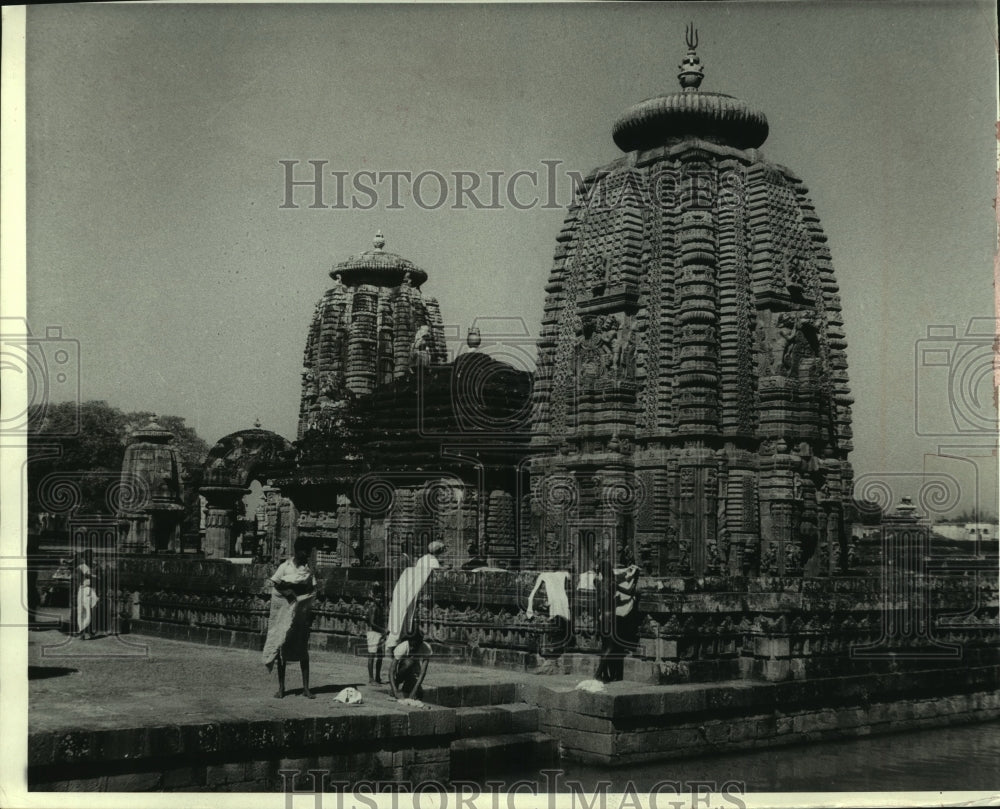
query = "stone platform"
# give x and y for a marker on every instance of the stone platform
(133, 713)
(144, 713)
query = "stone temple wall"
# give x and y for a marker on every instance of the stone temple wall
(692, 387)
(353, 536)
(761, 628)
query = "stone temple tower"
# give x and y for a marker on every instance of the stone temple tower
(152, 504)
(371, 327)
(692, 410)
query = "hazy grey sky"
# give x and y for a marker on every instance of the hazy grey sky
(156, 237)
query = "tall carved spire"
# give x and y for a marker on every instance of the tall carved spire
(692, 354)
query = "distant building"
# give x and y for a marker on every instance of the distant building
(968, 532)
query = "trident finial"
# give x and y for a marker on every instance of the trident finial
(692, 72)
(691, 36)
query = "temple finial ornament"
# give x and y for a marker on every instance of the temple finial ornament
(256, 423)
(692, 73)
(379, 241)
(691, 36)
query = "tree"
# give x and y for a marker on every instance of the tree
(91, 454)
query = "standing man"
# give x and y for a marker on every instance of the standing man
(375, 618)
(402, 625)
(618, 600)
(294, 592)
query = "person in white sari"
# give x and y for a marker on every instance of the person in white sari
(86, 597)
(294, 592)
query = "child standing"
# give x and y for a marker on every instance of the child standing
(375, 618)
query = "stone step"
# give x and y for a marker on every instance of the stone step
(681, 671)
(482, 757)
(495, 720)
(473, 694)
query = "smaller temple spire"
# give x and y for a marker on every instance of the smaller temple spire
(692, 73)
(379, 241)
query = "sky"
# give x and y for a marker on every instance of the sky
(157, 237)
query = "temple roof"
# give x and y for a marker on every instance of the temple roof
(152, 433)
(378, 266)
(669, 118)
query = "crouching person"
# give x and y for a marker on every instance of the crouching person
(410, 659)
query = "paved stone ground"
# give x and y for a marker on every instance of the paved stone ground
(138, 680)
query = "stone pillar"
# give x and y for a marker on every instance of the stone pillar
(619, 498)
(374, 538)
(349, 540)
(138, 539)
(288, 531)
(781, 552)
(219, 532)
(696, 508)
(697, 372)
(452, 523)
(361, 372)
(719, 544)
(500, 526)
(220, 519)
(741, 512)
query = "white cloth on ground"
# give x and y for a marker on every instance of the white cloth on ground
(404, 598)
(555, 592)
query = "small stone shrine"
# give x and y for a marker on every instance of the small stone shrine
(151, 504)
(693, 410)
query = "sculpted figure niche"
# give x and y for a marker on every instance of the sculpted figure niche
(604, 274)
(623, 353)
(420, 353)
(605, 350)
(787, 340)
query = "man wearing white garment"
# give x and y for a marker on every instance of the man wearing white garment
(402, 626)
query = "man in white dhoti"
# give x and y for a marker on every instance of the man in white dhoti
(293, 593)
(403, 606)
